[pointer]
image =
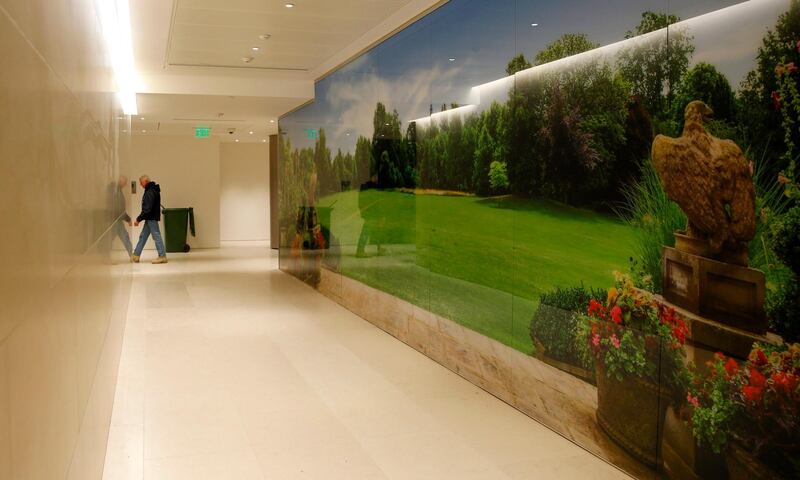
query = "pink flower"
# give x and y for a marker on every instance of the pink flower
(776, 100)
(596, 340)
(615, 340)
(692, 400)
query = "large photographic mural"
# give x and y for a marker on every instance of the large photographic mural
(592, 213)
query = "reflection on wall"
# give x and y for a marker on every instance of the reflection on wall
(65, 276)
(612, 195)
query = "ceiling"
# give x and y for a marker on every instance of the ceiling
(221, 33)
(230, 118)
(188, 56)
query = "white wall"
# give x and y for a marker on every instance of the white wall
(244, 191)
(187, 169)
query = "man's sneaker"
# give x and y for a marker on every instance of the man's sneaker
(160, 260)
(135, 258)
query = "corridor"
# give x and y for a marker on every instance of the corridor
(231, 369)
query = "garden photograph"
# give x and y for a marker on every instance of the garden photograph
(613, 195)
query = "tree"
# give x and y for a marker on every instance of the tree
(704, 82)
(327, 181)
(568, 148)
(567, 45)
(518, 64)
(498, 177)
(655, 67)
(362, 160)
(760, 120)
(482, 162)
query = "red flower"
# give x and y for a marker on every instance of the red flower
(694, 401)
(791, 68)
(758, 358)
(776, 100)
(757, 379)
(752, 394)
(719, 356)
(616, 315)
(731, 367)
(596, 309)
(785, 381)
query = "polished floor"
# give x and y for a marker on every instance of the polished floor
(233, 370)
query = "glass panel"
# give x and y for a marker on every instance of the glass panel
(467, 227)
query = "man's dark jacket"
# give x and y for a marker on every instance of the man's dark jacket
(151, 203)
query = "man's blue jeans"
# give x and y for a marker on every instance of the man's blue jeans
(150, 227)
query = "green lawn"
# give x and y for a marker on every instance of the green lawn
(481, 262)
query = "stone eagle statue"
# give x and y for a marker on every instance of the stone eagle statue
(712, 182)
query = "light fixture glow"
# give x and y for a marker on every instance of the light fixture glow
(534, 24)
(251, 132)
(255, 49)
(263, 140)
(272, 121)
(237, 140)
(115, 21)
(452, 59)
(144, 131)
(290, 5)
(265, 36)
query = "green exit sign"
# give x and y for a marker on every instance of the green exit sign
(202, 132)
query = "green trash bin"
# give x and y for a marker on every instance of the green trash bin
(175, 223)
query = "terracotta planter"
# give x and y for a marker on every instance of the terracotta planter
(743, 466)
(632, 412)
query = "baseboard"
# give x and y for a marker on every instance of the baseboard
(244, 243)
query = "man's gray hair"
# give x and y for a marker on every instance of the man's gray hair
(144, 177)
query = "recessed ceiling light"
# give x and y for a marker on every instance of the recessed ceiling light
(247, 59)
(534, 24)
(452, 59)
(290, 5)
(251, 132)
(141, 118)
(263, 140)
(237, 140)
(348, 134)
(255, 49)
(272, 121)
(265, 36)
(144, 131)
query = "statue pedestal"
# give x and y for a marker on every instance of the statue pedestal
(727, 293)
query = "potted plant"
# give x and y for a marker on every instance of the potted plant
(751, 410)
(636, 345)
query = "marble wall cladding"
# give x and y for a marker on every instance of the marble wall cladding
(65, 276)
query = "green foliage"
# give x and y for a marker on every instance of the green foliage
(783, 306)
(555, 322)
(704, 82)
(712, 419)
(498, 177)
(757, 115)
(517, 64)
(655, 217)
(786, 238)
(565, 46)
(656, 66)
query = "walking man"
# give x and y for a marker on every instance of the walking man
(151, 215)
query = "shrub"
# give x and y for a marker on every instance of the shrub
(498, 176)
(554, 322)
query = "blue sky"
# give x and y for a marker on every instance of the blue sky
(412, 70)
